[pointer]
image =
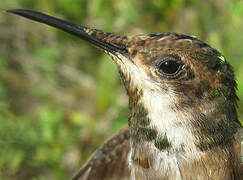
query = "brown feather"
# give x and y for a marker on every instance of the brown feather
(110, 161)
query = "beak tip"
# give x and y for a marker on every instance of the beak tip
(21, 12)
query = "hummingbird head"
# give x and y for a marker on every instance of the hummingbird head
(181, 88)
(181, 91)
(178, 66)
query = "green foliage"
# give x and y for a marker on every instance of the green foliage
(106, 84)
(60, 98)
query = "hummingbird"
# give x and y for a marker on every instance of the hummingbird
(183, 122)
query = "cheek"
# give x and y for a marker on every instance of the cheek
(188, 93)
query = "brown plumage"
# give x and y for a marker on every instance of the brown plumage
(110, 160)
(183, 122)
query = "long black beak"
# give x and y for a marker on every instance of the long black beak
(106, 41)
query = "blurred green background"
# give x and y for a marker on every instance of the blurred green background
(60, 98)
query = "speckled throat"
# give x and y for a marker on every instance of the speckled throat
(206, 126)
(213, 121)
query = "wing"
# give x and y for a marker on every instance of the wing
(237, 155)
(110, 161)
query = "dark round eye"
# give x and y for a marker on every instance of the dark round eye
(169, 67)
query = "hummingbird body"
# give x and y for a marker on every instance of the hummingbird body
(183, 122)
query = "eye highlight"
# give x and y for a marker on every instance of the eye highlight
(169, 66)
